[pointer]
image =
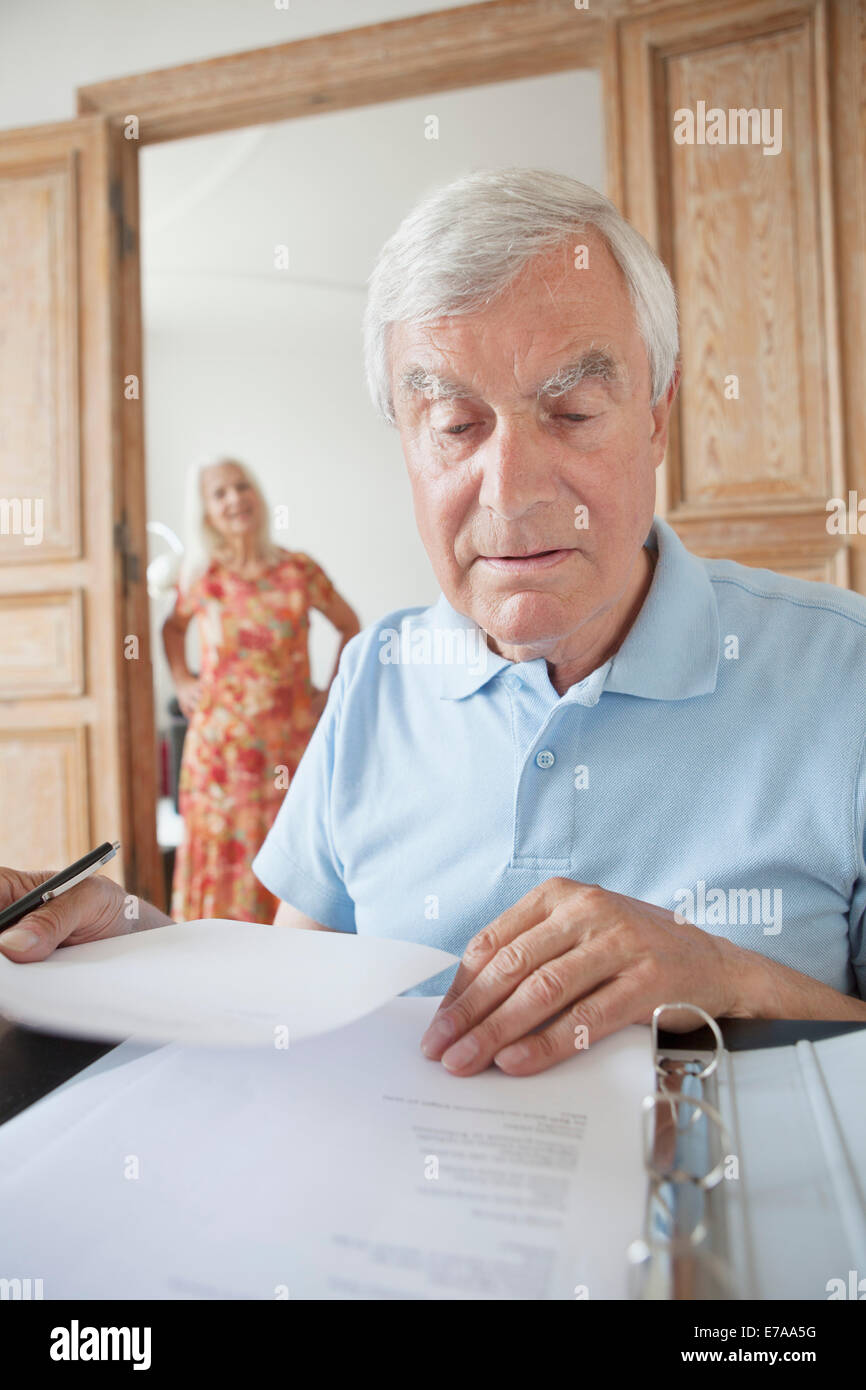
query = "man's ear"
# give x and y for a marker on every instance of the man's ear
(661, 412)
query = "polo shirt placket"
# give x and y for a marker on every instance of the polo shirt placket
(547, 731)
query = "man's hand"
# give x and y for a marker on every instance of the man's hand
(570, 956)
(94, 908)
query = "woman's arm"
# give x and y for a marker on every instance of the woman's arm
(174, 640)
(345, 620)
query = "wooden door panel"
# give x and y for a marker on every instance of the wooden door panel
(757, 446)
(799, 563)
(43, 773)
(61, 770)
(39, 429)
(744, 235)
(42, 641)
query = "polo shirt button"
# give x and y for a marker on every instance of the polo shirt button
(512, 682)
(545, 758)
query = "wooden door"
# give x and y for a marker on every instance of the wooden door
(72, 640)
(765, 246)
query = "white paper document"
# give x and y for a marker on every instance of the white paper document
(348, 1166)
(214, 983)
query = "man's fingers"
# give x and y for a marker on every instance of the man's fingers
(14, 883)
(36, 935)
(503, 982)
(537, 999)
(84, 913)
(531, 909)
(23, 940)
(616, 1004)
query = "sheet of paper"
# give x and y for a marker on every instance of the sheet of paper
(347, 1166)
(45, 1121)
(214, 983)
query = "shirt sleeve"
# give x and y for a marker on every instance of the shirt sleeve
(319, 587)
(858, 901)
(298, 861)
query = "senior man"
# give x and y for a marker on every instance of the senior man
(606, 773)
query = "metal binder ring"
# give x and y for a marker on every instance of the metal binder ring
(711, 1024)
(705, 1181)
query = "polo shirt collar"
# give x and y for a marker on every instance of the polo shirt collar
(671, 651)
(476, 663)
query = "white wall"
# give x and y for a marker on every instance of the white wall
(266, 364)
(317, 449)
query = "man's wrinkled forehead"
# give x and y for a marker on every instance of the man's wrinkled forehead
(554, 328)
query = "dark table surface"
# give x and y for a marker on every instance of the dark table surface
(32, 1063)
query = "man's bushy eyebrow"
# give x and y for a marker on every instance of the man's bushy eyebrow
(596, 364)
(427, 383)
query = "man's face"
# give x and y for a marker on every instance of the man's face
(501, 471)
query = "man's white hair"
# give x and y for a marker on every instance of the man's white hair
(459, 248)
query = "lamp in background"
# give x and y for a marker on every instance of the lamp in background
(163, 570)
(163, 573)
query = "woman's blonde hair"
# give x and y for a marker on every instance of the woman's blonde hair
(202, 541)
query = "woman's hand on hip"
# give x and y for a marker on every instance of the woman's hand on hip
(188, 695)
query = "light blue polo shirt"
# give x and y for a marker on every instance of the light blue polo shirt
(716, 766)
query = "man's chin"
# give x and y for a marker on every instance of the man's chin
(526, 619)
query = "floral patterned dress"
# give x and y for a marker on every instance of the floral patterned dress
(248, 732)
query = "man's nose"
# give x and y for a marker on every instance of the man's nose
(517, 470)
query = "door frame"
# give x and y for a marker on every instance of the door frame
(356, 67)
(436, 52)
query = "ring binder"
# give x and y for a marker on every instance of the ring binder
(686, 1146)
(711, 1024)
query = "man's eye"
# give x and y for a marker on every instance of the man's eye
(574, 418)
(458, 429)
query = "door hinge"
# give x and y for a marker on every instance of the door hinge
(126, 238)
(129, 559)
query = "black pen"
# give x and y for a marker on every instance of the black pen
(58, 883)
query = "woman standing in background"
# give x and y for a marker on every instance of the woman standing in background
(252, 707)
